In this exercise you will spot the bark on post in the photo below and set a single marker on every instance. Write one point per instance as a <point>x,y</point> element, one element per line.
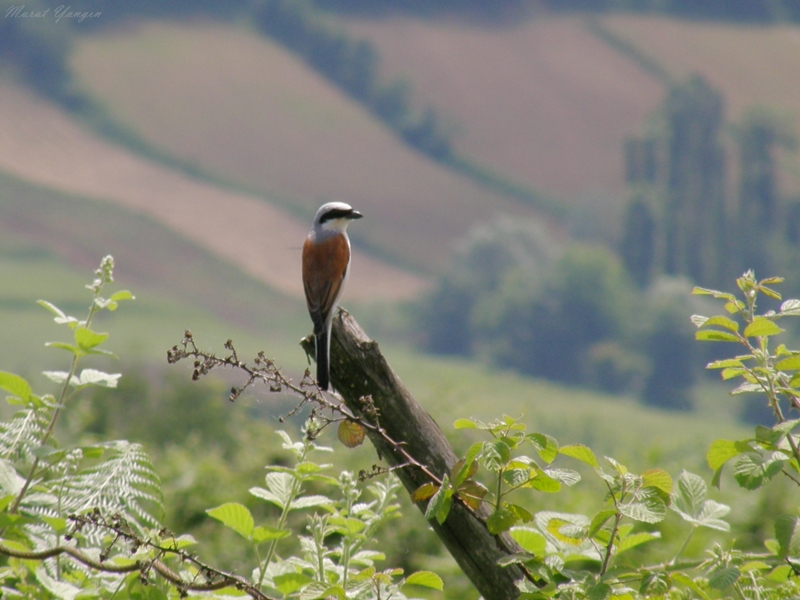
<point>358,369</point>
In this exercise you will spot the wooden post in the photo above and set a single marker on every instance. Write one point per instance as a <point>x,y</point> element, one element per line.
<point>358,369</point>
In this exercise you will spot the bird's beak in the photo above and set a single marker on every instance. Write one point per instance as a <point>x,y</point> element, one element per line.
<point>356,215</point>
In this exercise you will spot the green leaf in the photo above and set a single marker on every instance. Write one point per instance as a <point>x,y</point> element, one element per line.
<point>16,386</point>
<point>787,532</point>
<point>734,372</point>
<point>762,327</point>
<point>426,579</point>
<point>11,482</point>
<point>599,520</point>
<point>711,335</point>
<point>598,591</point>
<point>86,339</point>
<point>60,377</point>
<point>542,482</point>
<point>581,453</point>
<point>790,308</point>
<point>752,471</point>
<point>262,533</point>
<point>462,471</point>
<point>725,364</point>
<point>546,446</point>
<point>690,583</point>
<point>61,345</point>
<point>122,295</point>
<point>465,424</point>
<point>689,495</point>
<point>700,291</point>
<point>60,317</point>
<point>659,479</point>
<point>711,514</point>
<point>789,364</point>
<point>721,451</point>
<point>310,501</point>
<point>439,505</point>
<point>98,378</point>
<point>288,583</point>
<point>787,426</point>
<point>234,516</point>
<point>722,321</point>
<point>496,455</point>
<point>636,539</point>
<point>531,540</point>
<point>502,520</point>
<point>563,527</point>
<point>723,578</point>
<point>649,509</point>
<point>521,512</point>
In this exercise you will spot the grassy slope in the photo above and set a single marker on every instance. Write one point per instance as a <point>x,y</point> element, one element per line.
<point>50,244</point>
<point>751,64</point>
<point>542,101</point>
<point>244,109</point>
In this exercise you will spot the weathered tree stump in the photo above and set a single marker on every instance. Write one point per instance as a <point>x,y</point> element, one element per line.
<point>358,369</point>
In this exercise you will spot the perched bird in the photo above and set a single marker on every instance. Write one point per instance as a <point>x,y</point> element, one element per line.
<point>326,262</point>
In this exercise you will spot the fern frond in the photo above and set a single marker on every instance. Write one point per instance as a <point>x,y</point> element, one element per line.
<point>124,482</point>
<point>22,435</point>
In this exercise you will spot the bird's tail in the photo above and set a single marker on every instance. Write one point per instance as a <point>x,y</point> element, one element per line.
<point>323,371</point>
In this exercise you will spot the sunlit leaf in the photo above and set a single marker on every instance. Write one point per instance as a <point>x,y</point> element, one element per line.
<point>710,335</point>
<point>234,516</point>
<point>722,321</point>
<point>657,478</point>
<point>581,453</point>
<point>531,540</point>
<point>426,579</point>
<point>762,327</point>
<point>16,386</point>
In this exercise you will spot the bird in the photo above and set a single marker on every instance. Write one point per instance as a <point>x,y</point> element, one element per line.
<point>326,266</point>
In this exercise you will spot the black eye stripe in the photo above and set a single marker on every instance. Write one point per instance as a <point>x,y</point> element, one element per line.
<point>336,213</point>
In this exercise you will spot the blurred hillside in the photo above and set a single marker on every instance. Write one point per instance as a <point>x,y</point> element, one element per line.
<point>229,124</point>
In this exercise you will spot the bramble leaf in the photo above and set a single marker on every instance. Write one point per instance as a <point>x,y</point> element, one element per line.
<point>712,335</point>
<point>234,516</point>
<point>762,327</point>
<point>581,453</point>
<point>426,579</point>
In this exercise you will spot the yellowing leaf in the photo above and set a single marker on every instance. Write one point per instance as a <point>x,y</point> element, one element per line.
<point>425,491</point>
<point>351,434</point>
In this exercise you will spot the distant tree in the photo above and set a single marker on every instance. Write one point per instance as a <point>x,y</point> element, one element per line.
<point>669,342</point>
<point>547,327</point>
<point>639,243</point>
<point>760,136</point>
<point>480,264</point>
<point>680,166</point>
<point>695,182</point>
